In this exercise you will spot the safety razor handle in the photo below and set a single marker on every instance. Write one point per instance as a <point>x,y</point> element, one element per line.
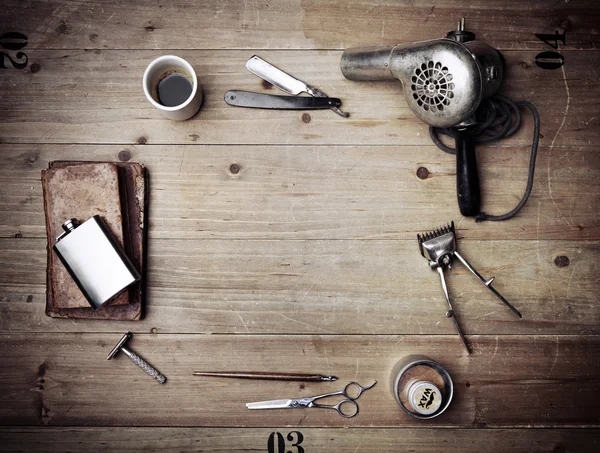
<point>467,178</point>
<point>149,369</point>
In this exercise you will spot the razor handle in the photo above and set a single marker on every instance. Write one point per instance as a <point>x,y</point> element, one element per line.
<point>467,178</point>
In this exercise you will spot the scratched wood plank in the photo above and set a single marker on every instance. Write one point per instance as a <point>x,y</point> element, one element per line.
<point>307,192</point>
<point>84,96</point>
<point>294,24</point>
<point>508,381</point>
<point>329,287</point>
<point>332,440</point>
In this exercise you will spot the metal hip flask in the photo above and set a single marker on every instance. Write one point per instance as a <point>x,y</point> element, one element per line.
<point>95,260</point>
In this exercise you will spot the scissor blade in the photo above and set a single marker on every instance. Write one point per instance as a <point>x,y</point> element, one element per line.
<point>272,404</point>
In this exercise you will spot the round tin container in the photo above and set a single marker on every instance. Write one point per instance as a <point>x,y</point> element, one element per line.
<point>423,388</point>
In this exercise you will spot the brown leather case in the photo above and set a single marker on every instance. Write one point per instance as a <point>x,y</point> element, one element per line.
<point>97,187</point>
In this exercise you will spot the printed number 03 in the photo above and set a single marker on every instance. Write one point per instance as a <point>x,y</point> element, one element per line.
<point>276,442</point>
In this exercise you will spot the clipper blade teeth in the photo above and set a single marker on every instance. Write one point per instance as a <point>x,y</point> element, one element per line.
<point>436,232</point>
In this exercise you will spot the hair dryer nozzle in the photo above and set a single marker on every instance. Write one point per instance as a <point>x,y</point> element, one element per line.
<point>367,63</point>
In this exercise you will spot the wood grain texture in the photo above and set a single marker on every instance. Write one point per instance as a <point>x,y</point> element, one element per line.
<point>312,192</point>
<point>508,381</point>
<point>332,440</point>
<point>314,235</point>
<point>293,24</point>
<point>336,287</point>
<point>84,96</point>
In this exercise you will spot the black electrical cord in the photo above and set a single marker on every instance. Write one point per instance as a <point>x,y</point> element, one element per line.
<point>497,118</point>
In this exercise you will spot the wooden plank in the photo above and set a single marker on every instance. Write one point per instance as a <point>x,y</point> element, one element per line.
<point>80,96</point>
<point>307,192</point>
<point>293,24</point>
<point>332,440</point>
<point>508,381</point>
<point>337,287</point>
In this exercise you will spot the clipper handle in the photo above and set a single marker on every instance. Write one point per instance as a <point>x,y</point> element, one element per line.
<point>467,178</point>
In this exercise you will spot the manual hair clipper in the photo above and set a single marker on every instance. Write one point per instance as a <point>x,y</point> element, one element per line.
<point>444,81</point>
<point>439,247</point>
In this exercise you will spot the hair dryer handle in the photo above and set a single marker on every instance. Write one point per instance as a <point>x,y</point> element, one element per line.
<point>467,178</point>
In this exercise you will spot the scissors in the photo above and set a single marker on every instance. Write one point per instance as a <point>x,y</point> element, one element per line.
<point>346,407</point>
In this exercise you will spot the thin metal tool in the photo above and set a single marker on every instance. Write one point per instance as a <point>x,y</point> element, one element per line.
<point>439,247</point>
<point>267,376</point>
<point>239,98</point>
<point>284,81</point>
<point>346,408</point>
<point>136,359</point>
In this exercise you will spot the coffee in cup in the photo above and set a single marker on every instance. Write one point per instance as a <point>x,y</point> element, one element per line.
<point>171,85</point>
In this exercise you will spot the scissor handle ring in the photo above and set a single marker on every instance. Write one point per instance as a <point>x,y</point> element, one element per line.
<point>349,387</point>
<point>339,408</point>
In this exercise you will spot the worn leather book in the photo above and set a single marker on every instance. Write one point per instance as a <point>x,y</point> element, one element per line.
<point>118,193</point>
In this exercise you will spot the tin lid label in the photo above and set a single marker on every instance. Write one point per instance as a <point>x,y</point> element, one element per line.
<point>424,397</point>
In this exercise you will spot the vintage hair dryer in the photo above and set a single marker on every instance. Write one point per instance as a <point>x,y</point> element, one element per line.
<point>444,81</point>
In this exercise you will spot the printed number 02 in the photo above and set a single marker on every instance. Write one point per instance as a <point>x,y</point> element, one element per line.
<point>276,442</point>
<point>13,41</point>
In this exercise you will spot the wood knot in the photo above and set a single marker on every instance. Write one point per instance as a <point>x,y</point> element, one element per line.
<point>561,261</point>
<point>422,173</point>
<point>154,331</point>
<point>93,37</point>
<point>234,168</point>
<point>124,155</point>
<point>64,28</point>
<point>19,235</point>
<point>42,369</point>
<point>149,28</point>
<point>306,118</point>
<point>266,85</point>
<point>32,159</point>
<point>34,68</point>
<point>468,384</point>
<point>142,141</point>
<point>523,64</point>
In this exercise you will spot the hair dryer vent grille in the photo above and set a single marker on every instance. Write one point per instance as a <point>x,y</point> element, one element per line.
<point>432,86</point>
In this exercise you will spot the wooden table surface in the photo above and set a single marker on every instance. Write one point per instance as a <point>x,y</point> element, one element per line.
<point>286,241</point>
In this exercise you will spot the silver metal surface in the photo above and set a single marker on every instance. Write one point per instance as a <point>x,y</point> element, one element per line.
<point>444,81</point>
<point>272,404</point>
<point>450,312</point>
<point>119,345</point>
<point>347,407</point>
<point>95,260</point>
<point>149,369</point>
<point>488,284</point>
<point>405,365</point>
<point>439,247</point>
<point>285,81</point>
<point>275,76</point>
